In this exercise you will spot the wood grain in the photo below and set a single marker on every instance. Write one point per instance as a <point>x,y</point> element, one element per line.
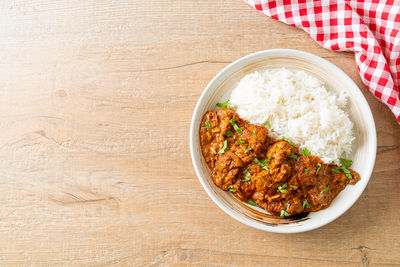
<point>96,99</point>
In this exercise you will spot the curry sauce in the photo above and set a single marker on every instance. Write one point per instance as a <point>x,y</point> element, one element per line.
<point>267,172</point>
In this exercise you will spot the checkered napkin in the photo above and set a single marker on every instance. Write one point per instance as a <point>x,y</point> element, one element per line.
<point>370,29</point>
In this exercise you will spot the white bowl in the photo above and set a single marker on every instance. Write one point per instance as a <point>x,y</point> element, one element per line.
<point>364,147</point>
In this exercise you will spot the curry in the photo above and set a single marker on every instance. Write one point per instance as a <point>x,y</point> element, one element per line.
<point>266,172</point>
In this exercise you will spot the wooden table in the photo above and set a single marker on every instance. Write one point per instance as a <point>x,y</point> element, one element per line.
<point>96,99</point>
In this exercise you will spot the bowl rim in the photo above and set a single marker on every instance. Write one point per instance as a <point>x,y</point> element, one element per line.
<point>308,57</point>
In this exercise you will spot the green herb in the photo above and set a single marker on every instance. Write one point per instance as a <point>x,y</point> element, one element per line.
<point>268,124</point>
<point>255,135</point>
<point>325,190</point>
<point>246,170</point>
<point>232,189</point>
<point>293,186</point>
<point>306,204</point>
<point>293,156</point>
<point>306,171</point>
<point>208,126</point>
<point>346,162</point>
<point>319,167</point>
<point>347,173</point>
<point>284,212</point>
<point>251,202</point>
<point>306,152</point>
<point>262,164</point>
<point>224,105</point>
<point>240,141</point>
<point>237,129</point>
<point>282,188</point>
<point>222,151</point>
<point>248,148</point>
<point>247,178</point>
<point>230,133</point>
<point>288,140</point>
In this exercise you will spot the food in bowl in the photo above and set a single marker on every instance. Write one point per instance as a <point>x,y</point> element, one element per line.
<point>270,172</point>
<point>267,172</point>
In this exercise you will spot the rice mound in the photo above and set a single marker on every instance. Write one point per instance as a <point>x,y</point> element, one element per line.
<point>299,107</point>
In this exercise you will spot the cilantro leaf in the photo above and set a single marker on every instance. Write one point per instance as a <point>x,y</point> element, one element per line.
<point>268,124</point>
<point>208,126</point>
<point>237,129</point>
<point>240,141</point>
<point>224,105</point>
<point>346,162</point>
<point>232,189</point>
<point>251,202</point>
<point>284,212</point>
<point>222,151</point>
<point>247,178</point>
<point>319,167</point>
<point>288,140</point>
<point>325,190</point>
<point>306,152</point>
<point>293,156</point>
<point>230,133</point>
<point>282,188</point>
<point>262,164</point>
<point>306,204</point>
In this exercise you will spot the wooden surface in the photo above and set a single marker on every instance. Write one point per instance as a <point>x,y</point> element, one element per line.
<point>96,99</point>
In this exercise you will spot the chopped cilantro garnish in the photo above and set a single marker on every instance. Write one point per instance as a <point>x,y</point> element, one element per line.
<point>319,167</point>
<point>262,164</point>
<point>293,156</point>
<point>246,170</point>
<point>282,188</point>
<point>347,173</point>
<point>255,135</point>
<point>237,129</point>
<point>224,105</point>
<point>222,151</point>
<point>268,124</point>
<point>208,126</point>
<point>293,186</point>
<point>232,189</point>
<point>306,152</point>
<point>325,190</point>
<point>230,133</point>
<point>240,141</point>
<point>251,202</point>
<point>284,212</point>
<point>306,171</point>
<point>288,140</point>
<point>306,204</point>
<point>248,148</point>
<point>346,162</point>
<point>247,178</point>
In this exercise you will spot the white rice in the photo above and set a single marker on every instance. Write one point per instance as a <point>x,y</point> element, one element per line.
<point>299,107</point>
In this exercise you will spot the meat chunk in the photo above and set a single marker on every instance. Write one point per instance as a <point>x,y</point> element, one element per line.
<point>227,167</point>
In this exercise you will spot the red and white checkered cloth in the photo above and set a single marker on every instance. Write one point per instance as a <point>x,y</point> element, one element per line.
<point>370,29</point>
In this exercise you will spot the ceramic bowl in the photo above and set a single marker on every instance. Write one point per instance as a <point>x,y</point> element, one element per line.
<point>364,146</point>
